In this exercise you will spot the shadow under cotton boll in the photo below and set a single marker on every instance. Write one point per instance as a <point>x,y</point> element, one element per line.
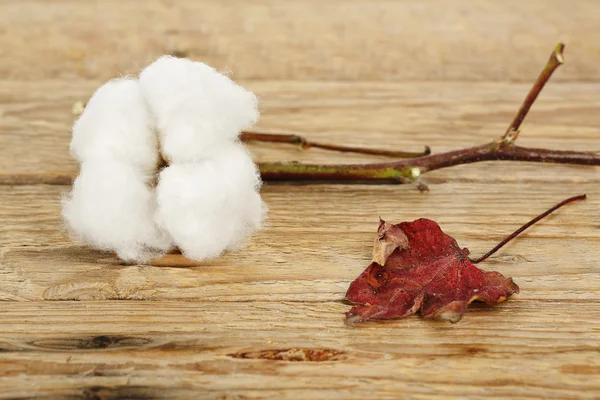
<point>116,125</point>
<point>210,205</point>
<point>196,109</point>
<point>111,207</point>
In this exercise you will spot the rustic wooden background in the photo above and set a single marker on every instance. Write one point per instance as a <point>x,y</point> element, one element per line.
<point>267,321</point>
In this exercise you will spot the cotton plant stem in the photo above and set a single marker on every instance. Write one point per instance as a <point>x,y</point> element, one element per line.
<point>409,170</point>
<point>304,143</point>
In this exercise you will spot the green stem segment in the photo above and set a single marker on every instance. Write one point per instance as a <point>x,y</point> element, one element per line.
<point>342,172</point>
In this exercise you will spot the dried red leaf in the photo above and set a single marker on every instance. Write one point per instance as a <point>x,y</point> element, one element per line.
<point>417,267</point>
<point>429,273</point>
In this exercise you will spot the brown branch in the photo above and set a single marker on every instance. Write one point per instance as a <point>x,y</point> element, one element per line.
<point>502,148</point>
<point>556,60</point>
<point>409,170</point>
<point>306,144</point>
<point>527,225</point>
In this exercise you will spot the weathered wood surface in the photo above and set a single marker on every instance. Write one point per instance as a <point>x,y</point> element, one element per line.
<point>267,321</point>
<point>36,120</point>
<point>475,40</point>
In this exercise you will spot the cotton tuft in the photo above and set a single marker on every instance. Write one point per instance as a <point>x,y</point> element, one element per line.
<point>111,207</point>
<point>196,109</point>
<point>205,201</point>
<point>211,205</point>
<point>116,125</point>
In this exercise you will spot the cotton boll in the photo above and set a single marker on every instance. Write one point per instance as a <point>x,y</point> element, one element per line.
<point>212,205</point>
<point>116,125</point>
<point>196,108</point>
<point>111,207</point>
<point>255,211</point>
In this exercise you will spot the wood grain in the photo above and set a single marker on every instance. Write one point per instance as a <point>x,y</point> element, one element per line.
<point>267,321</point>
<point>378,40</point>
<point>287,260</point>
<point>152,350</point>
<point>36,121</point>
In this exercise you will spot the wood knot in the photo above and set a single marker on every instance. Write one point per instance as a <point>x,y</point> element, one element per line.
<point>94,342</point>
<point>293,354</point>
<point>116,392</point>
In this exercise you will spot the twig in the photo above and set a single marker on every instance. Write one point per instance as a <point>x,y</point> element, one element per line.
<point>402,171</point>
<point>306,144</point>
<point>556,60</point>
<point>527,225</point>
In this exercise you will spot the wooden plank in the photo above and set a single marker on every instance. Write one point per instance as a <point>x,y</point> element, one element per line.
<point>312,247</point>
<point>300,39</point>
<point>36,120</point>
<point>267,321</point>
<point>264,350</point>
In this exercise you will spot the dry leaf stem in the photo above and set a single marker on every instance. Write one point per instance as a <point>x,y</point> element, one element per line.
<point>527,225</point>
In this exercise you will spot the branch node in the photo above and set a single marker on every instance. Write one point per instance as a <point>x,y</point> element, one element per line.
<point>510,137</point>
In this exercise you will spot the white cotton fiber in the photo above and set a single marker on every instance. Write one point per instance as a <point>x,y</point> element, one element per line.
<point>196,109</point>
<point>206,200</point>
<point>211,205</point>
<point>116,125</point>
<point>111,207</point>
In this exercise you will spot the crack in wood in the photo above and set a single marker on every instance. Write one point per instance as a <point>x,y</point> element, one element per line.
<point>295,354</point>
